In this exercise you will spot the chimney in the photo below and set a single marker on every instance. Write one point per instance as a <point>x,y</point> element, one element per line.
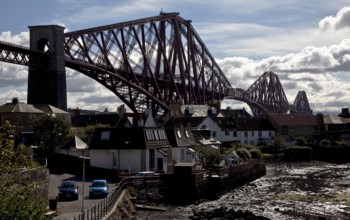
<point>344,113</point>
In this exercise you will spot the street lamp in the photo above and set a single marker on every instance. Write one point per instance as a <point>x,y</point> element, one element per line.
<point>82,200</point>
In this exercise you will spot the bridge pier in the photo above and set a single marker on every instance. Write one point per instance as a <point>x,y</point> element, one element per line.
<point>47,85</point>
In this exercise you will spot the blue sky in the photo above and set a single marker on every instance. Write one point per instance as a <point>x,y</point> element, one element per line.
<point>307,43</point>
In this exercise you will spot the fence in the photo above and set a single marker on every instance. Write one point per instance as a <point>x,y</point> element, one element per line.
<point>106,205</point>
<point>102,208</point>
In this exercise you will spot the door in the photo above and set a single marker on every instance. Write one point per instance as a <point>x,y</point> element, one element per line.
<point>160,164</point>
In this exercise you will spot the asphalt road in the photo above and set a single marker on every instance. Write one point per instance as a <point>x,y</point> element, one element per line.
<point>67,210</point>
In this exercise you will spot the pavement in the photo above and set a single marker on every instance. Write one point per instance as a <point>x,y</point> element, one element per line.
<point>67,210</point>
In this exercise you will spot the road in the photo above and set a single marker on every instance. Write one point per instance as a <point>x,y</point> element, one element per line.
<point>67,210</point>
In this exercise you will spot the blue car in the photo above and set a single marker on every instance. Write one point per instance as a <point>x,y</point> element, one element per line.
<point>98,189</point>
<point>68,190</point>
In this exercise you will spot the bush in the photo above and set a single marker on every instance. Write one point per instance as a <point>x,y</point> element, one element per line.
<point>244,154</point>
<point>297,153</point>
<point>255,153</point>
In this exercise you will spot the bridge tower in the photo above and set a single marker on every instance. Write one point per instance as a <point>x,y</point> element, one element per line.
<point>47,84</point>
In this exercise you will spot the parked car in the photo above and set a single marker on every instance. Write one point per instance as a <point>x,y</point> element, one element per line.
<point>68,190</point>
<point>145,178</point>
<point>146,173</point>
<point>98,188</point>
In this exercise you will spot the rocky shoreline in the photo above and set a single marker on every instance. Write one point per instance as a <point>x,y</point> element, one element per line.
<point>305,190</point>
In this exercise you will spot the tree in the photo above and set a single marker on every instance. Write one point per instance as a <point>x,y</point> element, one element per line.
<point>17,200</point>
<point>89,132</point>
<point>51,132</point>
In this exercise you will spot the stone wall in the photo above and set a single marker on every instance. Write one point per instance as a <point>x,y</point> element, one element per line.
<point>123,209</point>
<point>187,189</point>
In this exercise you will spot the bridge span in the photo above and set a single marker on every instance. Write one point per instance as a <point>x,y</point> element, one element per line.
<point>146,63</point>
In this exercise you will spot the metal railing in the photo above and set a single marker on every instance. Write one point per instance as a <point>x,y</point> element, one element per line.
<point>102,208</point>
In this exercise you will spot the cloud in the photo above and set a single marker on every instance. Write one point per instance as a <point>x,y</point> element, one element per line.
<point>338,22</point>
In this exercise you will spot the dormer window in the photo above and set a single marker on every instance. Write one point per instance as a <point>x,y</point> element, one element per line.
<point>105,135</point>
<point>178,134</point>
<point>186,133</point>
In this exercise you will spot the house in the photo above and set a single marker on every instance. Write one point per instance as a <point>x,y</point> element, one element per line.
<point>196,128</point>
<point>235,113</point>
<point>21,116</point>
<point>182,142</point>
<point>336,127</point>
<point>253,131</point>
<point>130,150</point>
<point>293,126</point>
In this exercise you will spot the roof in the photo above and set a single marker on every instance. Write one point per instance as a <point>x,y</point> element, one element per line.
<point>50,109</point>
<point>334,119</point>
<point>180,137</point>
<point>254,124</point>
<point>129,138</point>
<point>89,119</point>
<point>192,122</point>
<point>228,123</point>
<point>198,110</point>
<point>293,119</point>
<point>19,108</point>
<point>237,113</point>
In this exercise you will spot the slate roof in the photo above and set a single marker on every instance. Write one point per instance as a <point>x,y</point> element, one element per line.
<point>253,124</point>
<point>19,108</point>
<point>180,137</point>
<point>237,113</point>
<point>193,122</point>
<point>293,119</point>
<point>90,119</point>
<point>128,138</point>
<point>49,109</point>
<point>225,123</point>
<point>334,119</point>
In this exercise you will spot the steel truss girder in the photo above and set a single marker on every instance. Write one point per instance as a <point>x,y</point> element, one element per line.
<point>161,59</point>
<point>16,54</point>
<point>301,103</point>
<point>268,92</point>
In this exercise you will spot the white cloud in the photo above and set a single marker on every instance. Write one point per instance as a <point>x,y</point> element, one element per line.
<point>340,21</point>
<point>311,59</point>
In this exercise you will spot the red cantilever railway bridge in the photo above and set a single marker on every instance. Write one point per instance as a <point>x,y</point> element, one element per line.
<point>146,63</point>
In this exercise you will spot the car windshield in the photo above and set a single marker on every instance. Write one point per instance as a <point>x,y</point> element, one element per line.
<point>67,185</point>
<point>98,184</point>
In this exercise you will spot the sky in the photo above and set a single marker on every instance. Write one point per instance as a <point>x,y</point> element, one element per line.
<point>306,43</point>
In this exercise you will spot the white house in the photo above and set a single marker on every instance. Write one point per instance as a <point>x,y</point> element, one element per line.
<point>131,149</point>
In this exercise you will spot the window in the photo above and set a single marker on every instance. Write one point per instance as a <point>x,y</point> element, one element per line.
<point>227,132</point>
<point>252,133</point>
<point>214,134</point>
<point>260,134</point>
<point>151,158</point>
<point>234,133</point>
<point>270,134</point>
<point>178,134</point>
<point>246,134</point>
<point>182,155</point>
<point>105,135</point>
<point>186,133</point>
<point>156,134</point>
<point>161,134</point>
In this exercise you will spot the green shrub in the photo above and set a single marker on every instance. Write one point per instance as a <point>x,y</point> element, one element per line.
<point>244,154</point>
<point>325,143</point>
<point>255,152</point>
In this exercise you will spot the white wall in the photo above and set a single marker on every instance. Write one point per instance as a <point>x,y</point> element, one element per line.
<point>130,160</point>
<point>100,159</point>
